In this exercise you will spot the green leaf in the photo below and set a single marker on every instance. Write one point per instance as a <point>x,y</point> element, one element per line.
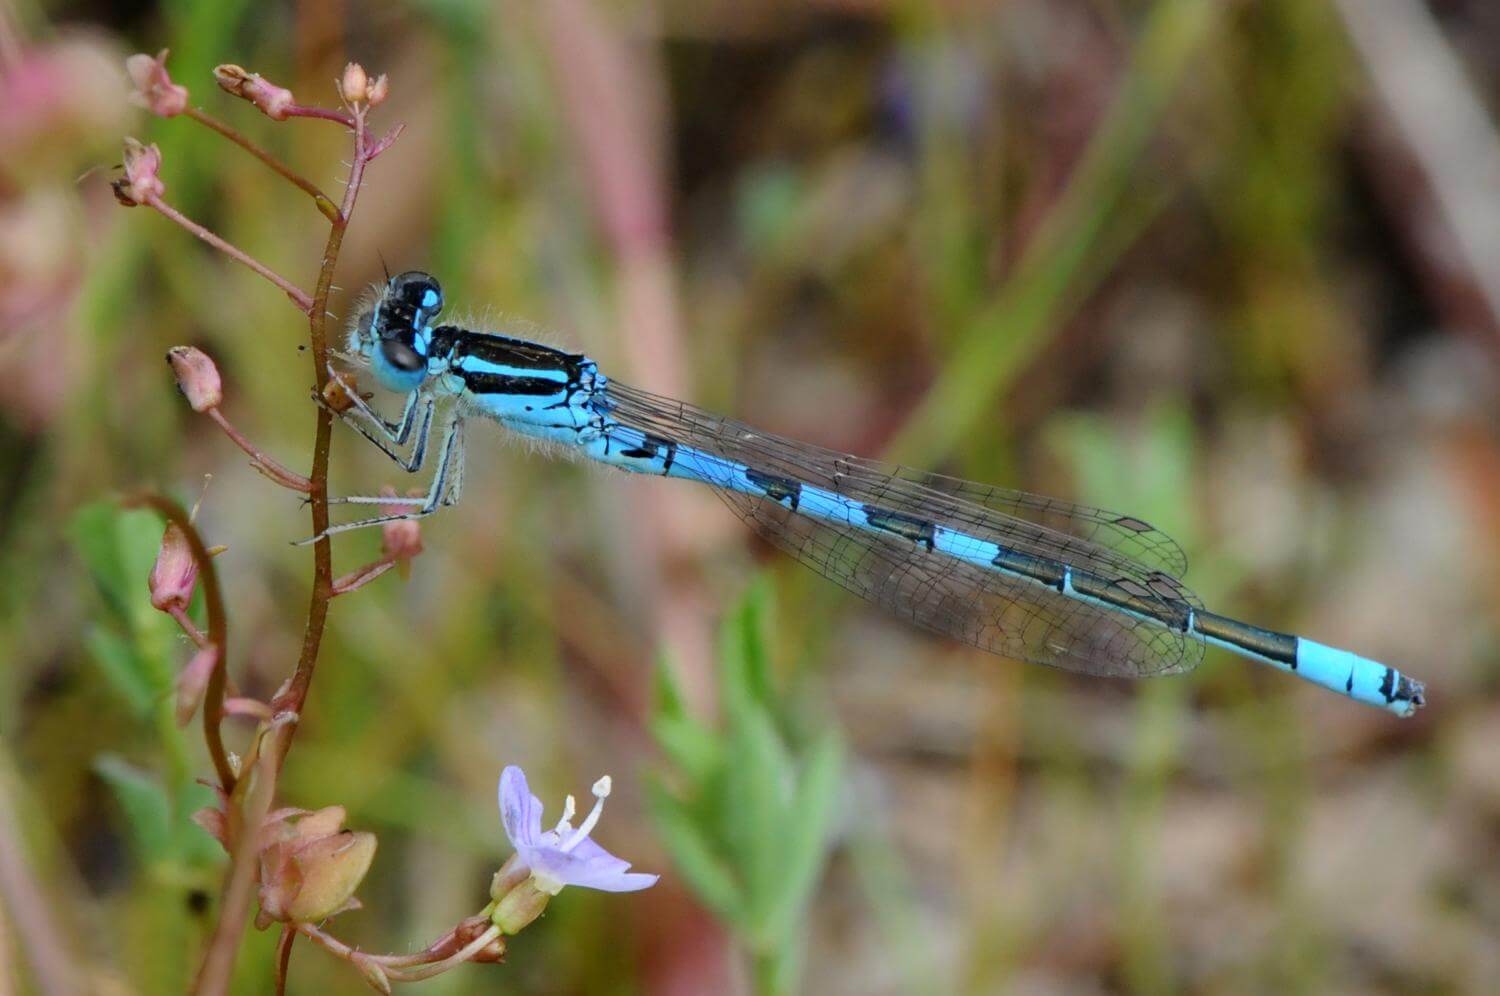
<point>693,749</point>
<point>194,845</point>
<point>120,662</point>
<point>744,667</point>
<point>668,701</point>
<point>804,840</point>
<point>757,813</point>
<point>118,546</point>
<point>148,812</point>
<point>694,854</point>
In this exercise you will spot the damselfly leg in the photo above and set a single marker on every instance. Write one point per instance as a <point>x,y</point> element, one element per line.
<point>447,480</point>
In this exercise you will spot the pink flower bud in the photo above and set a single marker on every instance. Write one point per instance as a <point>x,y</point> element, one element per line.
<point>192,680</point>
<point>214,823</point>
<point>140,183</point>
<point>355,85</point>
<point>154,89</point>
<point>175,573</point>
<point>379,90</point>
<point>273,100</point>
<point>400,539</point>
<point>197,377</point>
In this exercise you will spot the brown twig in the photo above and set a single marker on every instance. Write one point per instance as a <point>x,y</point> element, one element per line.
<point>295,695</point>
<point>284,956</point>
<point>218,631</point>
<point>245,814</point>
<point>299,297</point>
<point>357,579</point>
<point>322,200</point>
<point>260,461</point>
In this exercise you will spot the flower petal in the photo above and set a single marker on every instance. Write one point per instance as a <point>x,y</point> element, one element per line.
<point>594,868</point>
<point>520,811</point>
<point>598,856</point>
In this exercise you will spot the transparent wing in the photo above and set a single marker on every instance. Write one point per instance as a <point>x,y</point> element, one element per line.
<point>983,608</point>
<point>1125,534</point>
<point>1097,529</point>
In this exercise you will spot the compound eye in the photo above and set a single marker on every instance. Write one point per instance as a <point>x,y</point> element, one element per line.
<point>401,356</point>
<point>419,291</point>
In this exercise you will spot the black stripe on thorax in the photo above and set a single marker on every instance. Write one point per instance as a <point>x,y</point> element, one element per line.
<point>491,383</point>
<point>519,353</point>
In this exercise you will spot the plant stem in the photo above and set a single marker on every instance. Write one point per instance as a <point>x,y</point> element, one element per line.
<point>267,466</point>
<point>323,202</point>
<point>284,957</point>
<point>298,296</point>
<point>295,695</point>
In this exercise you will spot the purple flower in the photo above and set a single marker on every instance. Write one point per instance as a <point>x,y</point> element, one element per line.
<point>562,856</point>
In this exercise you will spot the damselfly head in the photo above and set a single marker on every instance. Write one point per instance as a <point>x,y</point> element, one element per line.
<point>395,331</point>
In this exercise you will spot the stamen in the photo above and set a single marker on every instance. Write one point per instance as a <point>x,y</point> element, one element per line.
<point>601,792</point>
<point>570,806</point>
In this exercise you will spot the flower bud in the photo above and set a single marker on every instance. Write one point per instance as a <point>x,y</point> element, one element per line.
<point>379,90</point>
<point>331,869</point>
<point>400,539</point>
<point>373,973</point>
<point>310,868</point>
<point>175,573</point>
<point>140,183</point>
<point>154,89</point>
<point>197,377</point>
<point>274,101</point>
<point>192,680</point>
<point>355,85</point>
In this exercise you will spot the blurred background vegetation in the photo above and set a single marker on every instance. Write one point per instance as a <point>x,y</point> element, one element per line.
<point>1228,266</point>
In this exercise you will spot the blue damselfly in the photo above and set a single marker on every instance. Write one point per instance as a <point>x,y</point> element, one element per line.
<point>1016,574</point>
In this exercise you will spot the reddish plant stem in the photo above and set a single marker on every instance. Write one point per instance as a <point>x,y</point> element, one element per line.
<point>218,632</point>
<point>350,121</point>
<point>245,814</point>
<point>295,695</point>
<point>298,296</point>
<point>425,964</point>
<point>357,579</point>
<point>471,949</point>
<point>322,200</point>
<point>266,465</point>
<point>188,626</point>
<point>284,957</point>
